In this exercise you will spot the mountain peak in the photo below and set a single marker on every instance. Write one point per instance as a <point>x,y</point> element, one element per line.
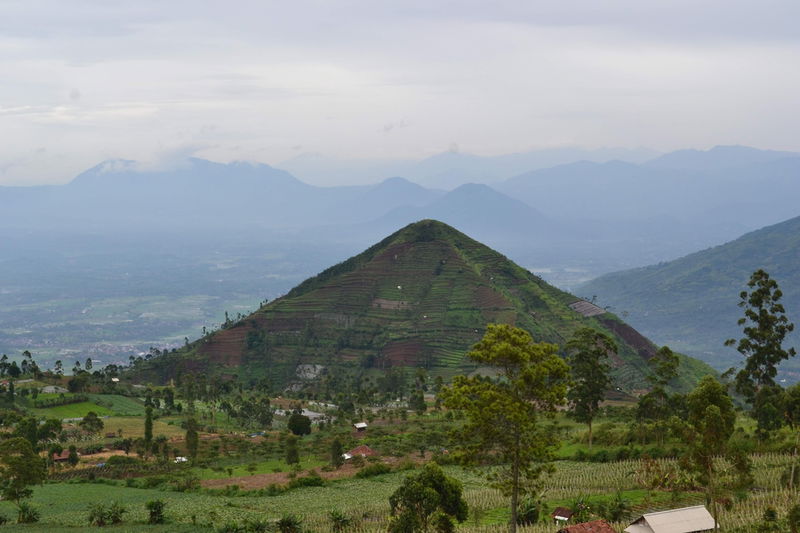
<point>419,298</point>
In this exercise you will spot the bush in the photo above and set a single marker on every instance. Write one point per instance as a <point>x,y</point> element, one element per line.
<point>185,483</point>
<point>122,460</point>
<point>156,511</point>
<point>373,470</point>
<point>290,524</point>
<point>101,515</point>
<point>92,449</point>
<point>3,519</point>
<point>311,480</point>
<point>27,514</point>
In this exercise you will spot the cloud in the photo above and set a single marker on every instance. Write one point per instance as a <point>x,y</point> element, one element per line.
<point>104,80</point>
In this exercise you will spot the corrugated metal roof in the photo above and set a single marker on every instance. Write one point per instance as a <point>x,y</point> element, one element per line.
<point>686,520</point>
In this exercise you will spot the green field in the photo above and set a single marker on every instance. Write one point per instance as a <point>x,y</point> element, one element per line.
<point>73,410</point>
<point>63,505</point>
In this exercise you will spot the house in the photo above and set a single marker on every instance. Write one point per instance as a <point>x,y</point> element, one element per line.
<point>561,514</point>
<point>62,457</point>
<point>695,519</point>
<point>360,426</point>
<point>595,526</point>
<point>362,451</point>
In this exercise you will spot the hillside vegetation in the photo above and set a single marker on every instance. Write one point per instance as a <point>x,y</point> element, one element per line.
<point>691,303</point>
<point>419,298</point>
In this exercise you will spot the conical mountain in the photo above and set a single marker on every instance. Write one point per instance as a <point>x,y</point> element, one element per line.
<point>419,298</point>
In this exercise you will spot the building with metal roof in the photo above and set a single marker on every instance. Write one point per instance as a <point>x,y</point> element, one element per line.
<point>695,519</point>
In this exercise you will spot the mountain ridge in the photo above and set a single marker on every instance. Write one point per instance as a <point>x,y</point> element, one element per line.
<point>691,302</point>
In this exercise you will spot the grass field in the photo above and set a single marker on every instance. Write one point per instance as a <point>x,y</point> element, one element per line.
<point>134,427</point>
<point>73,410</point>
<point>119,405</point>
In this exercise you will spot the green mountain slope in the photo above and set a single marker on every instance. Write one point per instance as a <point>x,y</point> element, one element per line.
<point>420,297</point>
<point>691,303</point>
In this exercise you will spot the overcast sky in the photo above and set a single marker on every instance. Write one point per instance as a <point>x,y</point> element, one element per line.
<point>84,81</point>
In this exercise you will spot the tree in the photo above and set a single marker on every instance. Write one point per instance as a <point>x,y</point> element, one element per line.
<point>91,423</point>
<point>427,502</point>
<point>337,452</point>
<point>299,424</point>
<point>148,427</point>
<point>503,416</point>
<point>20,467</point>
<point>658,405</point>
<point>292,453</point>
<point>192,439</point>
<point>589,351</point>
<point>765,327</point>
<point>72,458</point>
<point>711,419</point>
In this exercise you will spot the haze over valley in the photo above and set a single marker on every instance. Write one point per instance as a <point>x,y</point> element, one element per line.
<point>125,257</point>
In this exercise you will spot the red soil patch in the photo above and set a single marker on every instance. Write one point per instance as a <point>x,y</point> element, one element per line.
<point>403,353</point>
<point>643,346</point>
<point>487,297</point>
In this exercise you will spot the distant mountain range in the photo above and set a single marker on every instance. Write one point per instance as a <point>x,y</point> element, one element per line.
<point>690,303</point>
<point>421,297</point>
<point>604,212</point>
<point>450,169</point>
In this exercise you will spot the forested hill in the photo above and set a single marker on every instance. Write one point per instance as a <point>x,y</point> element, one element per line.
<point>691,303</point>
<point>420,297</point>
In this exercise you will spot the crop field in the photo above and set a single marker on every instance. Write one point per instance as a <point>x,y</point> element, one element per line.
<point>63,505</point>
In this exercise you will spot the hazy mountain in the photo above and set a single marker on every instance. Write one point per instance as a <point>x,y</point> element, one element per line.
<point>450,169</point>
<point>481,211</point>
<point>420,297</point>
<point>685,209</point>
<point>691,303</point>
<point>717,158</point>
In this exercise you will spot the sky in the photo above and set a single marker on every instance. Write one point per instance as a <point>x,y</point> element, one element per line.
<point>154,81</point>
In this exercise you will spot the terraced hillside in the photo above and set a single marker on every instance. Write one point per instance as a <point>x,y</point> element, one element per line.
<point>420,297</point>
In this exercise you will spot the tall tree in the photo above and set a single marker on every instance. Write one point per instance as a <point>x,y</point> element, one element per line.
<point>711,419</point>
<point>765,327</point>
<point>588,352</point>
<point>192,439</point>
<point>337,452</point>
<point>504,415</point>
<point>292,451</point>
<point>148,427</point>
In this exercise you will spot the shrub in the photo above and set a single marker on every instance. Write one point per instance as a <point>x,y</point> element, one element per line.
<point>3,519</point>
<point>290,524</point>
<point>373,470</point>
<point>101,515</point>
<point>156,511</point>
<point>27,514</point>
<point>340,522</point>
<point>115,512</point>
<point>122,460</point>
<point>185,483</point>
<point>311,480</point>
